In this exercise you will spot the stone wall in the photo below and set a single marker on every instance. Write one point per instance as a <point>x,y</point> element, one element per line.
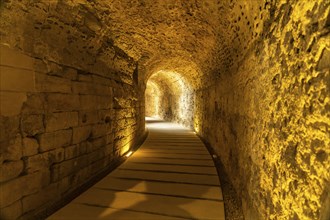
<point>268,117</point>
<point>60,127</point>
<point>251,76</point>
<point>71,103</point>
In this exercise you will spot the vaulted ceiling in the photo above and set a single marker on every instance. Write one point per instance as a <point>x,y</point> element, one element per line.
<point>188,37</point>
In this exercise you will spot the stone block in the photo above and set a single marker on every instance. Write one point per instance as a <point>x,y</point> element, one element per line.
<point>77,178</point>
<point>61,170</point>
<point>30,146</point>
<point>85,77</point>
<point>14,79</point>
<point>45,177</point>
<point>35,182</point>
<point>15,189</point>
<point>100,130</point>
<point>45,83</point>
<point>34,104</point>
<point>106,101</point>
<point>32,124</point>
<point>40,66</point>
<point>13,211</point>
<point>99,164</point>
<point>15,58</point>
<point>82,162</point>
<point>96,155</point>
<point>62,102</point>
<point>9,127</point>
<point>99,142</point>
<point>43,161</point>
<point>64,184</point>
<point>81,134</point>
<point>36,163</point>
<point>40,198</point>
<point>56,156</point>
<point>103,81</point>
<point>88,117</point>
<point>11,102</point>
<point>60,121</point>
<point>57,139</point>
<point>52,68</point>
<point>70,73</point>
<point>88,102</point>
<point>95,102</point>
<point>83,88</point>
<point>103,90</point>
<point>109,149</point>
<point>71,152</point>
<point>85,147</point>
<point>55,69</point>
<point>106,116</point>
<point>91,89</point>
<point>10,170</point>
<point>12,151</point>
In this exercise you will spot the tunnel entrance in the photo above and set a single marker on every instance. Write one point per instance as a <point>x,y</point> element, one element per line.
<point>169,96</point>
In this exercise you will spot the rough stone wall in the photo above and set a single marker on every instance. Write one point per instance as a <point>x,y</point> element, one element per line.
<point>71,104</point>
<point>268,115</point>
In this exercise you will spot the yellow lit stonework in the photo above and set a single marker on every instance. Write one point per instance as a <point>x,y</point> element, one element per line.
<point>250,77</point>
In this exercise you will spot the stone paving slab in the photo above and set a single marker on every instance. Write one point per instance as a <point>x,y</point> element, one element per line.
<point>171,176</point>
<point>174,155</point>
<point>191,162</point>
<point>89,212</point>
<point>209,171</point>
<point>153,187</point>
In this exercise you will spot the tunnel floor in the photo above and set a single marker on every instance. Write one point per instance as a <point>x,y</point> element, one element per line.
<point>171,176</point>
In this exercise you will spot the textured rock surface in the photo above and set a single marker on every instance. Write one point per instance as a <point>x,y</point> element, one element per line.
<point>251,77</point>
<point>268,118</point>
<point>265,110</point>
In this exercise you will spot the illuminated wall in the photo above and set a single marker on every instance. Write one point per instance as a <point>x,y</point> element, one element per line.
<point>170,96</point>
<point>267,114</point>
<point>251,77</point>
<point>68,112</point>
<point>152,99</point>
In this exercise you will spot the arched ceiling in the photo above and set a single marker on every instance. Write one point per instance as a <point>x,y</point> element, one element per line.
<point>165,30</point>
<point>188,37</point>
<point>176,82</point>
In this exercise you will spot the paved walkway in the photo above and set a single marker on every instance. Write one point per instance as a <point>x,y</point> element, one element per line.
<point>171,176</point>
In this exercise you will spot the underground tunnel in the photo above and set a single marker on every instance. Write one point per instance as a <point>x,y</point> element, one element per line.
<point>247,80</point>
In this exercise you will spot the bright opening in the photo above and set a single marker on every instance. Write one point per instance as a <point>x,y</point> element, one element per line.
<point>169,97</point>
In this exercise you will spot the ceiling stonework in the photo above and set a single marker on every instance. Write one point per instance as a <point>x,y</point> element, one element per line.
<point>189,37</point>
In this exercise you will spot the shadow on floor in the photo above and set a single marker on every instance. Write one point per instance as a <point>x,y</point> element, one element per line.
<point>142,205</point>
